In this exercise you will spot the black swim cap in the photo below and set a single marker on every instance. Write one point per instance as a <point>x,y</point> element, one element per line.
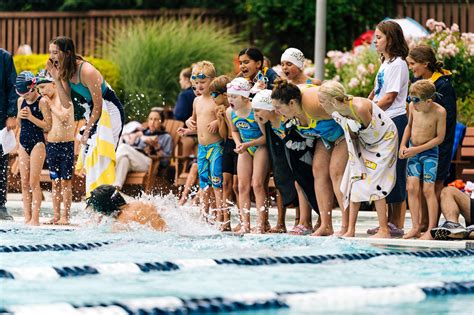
<point>106,200</point>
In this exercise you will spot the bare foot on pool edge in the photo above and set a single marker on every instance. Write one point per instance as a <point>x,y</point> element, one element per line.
<point>243,230</point>
<point>343,231</point>
<point>63,221</point>
<point>426,236</point>
<point>237,228</point>
<point>278,229</point>
<point>413,233</point>
<point>381,234</point>
<point>53,221</point>
<point>323,231</point>
<point>225,227</point>
<point>33,223</point>
<point>348,233</point>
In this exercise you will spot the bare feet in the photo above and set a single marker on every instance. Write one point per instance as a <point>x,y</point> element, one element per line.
<point>53,221</point>
<point>63,221</point>
<point>348,233</point>
<point>182,201</point>
<point>343,231</point>
<point>323,231</point>
<point>278,229</point>
<point>33,222</point>
<point>426,236</point>
<point>243,230</point>
<point>237,228</point>
<point>225,227</point>
<point>413,233</point>
<point>381,234</point>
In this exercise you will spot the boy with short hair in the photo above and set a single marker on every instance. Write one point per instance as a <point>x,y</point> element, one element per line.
<point>425,130</point>
<point>210,149</point>
<point>59,148</point>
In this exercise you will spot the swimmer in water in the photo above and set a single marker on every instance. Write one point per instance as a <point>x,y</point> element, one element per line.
<point>107,201</point>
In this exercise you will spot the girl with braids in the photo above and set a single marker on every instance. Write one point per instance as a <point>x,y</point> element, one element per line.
<point>104,112</point>
<point>301,105</point>
<point>371,139</point>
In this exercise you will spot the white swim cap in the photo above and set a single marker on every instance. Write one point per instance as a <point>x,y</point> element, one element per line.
<point>295,56</point>
<point>263,100</point>
<point>239,86</point>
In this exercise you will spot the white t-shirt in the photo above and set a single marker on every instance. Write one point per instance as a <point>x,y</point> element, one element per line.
<point>393,77</point>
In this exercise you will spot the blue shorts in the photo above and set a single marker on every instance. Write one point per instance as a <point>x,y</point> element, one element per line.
<point>425,163</point>
<point>60,157</point>
<point>210,165</point>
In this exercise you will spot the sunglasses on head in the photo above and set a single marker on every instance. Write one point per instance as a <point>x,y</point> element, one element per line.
<point>414,99</point>
<point>200,76</point>
<point>215,94</point>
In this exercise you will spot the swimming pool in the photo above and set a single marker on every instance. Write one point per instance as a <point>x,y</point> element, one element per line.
<point>191,244</point>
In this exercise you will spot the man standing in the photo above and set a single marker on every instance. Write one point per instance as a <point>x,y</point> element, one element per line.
<point>8,112</point>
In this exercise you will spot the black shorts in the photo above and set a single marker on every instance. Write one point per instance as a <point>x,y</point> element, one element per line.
<point>60,157</point>
<point>399,191</point>
<point>229,159</point>
<point>444,161</point>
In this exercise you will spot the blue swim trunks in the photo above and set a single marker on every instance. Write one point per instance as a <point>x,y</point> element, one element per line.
<point>60,158</point>
<point>425,163</point>
<point>210,165</point>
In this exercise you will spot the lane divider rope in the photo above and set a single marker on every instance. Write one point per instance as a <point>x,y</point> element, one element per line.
<point>324,299</point>
<point>43,273</point>
<point>51,247</point>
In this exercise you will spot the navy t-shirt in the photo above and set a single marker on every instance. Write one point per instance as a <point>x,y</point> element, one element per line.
<point>183,108</point>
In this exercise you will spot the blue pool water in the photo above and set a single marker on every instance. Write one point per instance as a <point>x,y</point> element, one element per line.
<point>190,239</point>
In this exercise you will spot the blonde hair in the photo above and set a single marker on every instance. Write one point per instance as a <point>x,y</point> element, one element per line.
<point>219,84</point>
<point>331,92</point>
<point>423,89</point>
<point>205,67</point>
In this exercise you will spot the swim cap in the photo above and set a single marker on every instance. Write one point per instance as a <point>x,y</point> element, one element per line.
<point>263,100</point>
<point>106,200</point>
<point>43,77</point>
<point>24,82</point>
<point>239,86</point>
<point>295,56</point>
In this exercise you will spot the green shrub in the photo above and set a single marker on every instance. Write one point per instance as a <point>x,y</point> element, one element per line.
<point>466,110</point>
<point>151,54</point>
<point>35,63</point>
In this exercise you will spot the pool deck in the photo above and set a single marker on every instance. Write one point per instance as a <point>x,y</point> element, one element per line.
<point>366,220</point>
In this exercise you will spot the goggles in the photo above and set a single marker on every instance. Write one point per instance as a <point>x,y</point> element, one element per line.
<point>414,99</point>
<point>200,76</point>
<point>215,94</point>
<point>260,77</point>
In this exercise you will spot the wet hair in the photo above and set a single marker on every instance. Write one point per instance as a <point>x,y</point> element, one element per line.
<point>424,89</point>
<point>205,67</point>
<point>425,54</point>
<point>219,84</point>
<point>106,200</point>
<point>285,91</point>
<point>331,92</point>
<point>186,72</point>
<point>396,44</point>
<point>69,64</point>
<point>254,53</point>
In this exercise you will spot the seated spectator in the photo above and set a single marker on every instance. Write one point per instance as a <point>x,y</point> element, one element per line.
<point>183,108</point>
<point>454,203</point>
<point>137,145</point>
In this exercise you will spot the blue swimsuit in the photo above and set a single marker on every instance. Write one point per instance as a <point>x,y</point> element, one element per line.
<point>30,134</point>
<point>248,129</point>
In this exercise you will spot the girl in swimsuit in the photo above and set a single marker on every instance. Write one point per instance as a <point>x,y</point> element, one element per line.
<point>292,65</point>
<point>302,105</point>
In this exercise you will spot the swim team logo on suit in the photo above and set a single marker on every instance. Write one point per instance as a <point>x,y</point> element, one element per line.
<point>242,124</point>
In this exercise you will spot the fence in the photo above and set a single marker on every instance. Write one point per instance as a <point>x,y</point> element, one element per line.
<point>447,11</point>
<point>85,28</point>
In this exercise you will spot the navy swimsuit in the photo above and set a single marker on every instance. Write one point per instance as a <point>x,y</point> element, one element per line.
<point>30,134</point>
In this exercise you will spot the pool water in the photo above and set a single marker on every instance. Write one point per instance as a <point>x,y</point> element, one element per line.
<point>189,238</point>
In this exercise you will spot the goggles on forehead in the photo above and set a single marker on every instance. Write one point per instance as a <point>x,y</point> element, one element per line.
<point>200,76</point>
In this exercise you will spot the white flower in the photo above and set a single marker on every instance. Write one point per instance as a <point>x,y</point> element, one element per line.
<point>455,28</point>
<point>353,83</point>
<point>430,24</point>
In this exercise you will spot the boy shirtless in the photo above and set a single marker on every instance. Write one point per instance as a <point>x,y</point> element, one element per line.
<point>108,201</point>
<point>425,130</point>
<point>210,150</point>
<point>59,149</point>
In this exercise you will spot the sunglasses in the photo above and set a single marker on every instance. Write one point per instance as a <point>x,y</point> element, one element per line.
<point>200,76</point>
<point>414,99</point>
<point>215,94</point>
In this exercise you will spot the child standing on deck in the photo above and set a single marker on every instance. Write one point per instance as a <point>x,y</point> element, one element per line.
<point>218,90</point>
<point>425,130</point>
<point>34,118</point>
<point>210,150</point>
<point>252,166</point>
<point>60,148</point>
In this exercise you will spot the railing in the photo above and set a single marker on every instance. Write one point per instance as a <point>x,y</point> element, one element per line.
<point>85,28</point>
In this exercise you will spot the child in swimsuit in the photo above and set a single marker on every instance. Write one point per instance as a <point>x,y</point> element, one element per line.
<point>59,149</point>
<point>34,118</point>
<point>292,65</point>
<point>252,166</point>
<point>425,130</point>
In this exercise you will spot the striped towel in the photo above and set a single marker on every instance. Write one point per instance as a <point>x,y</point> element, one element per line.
<point>98,158</point>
